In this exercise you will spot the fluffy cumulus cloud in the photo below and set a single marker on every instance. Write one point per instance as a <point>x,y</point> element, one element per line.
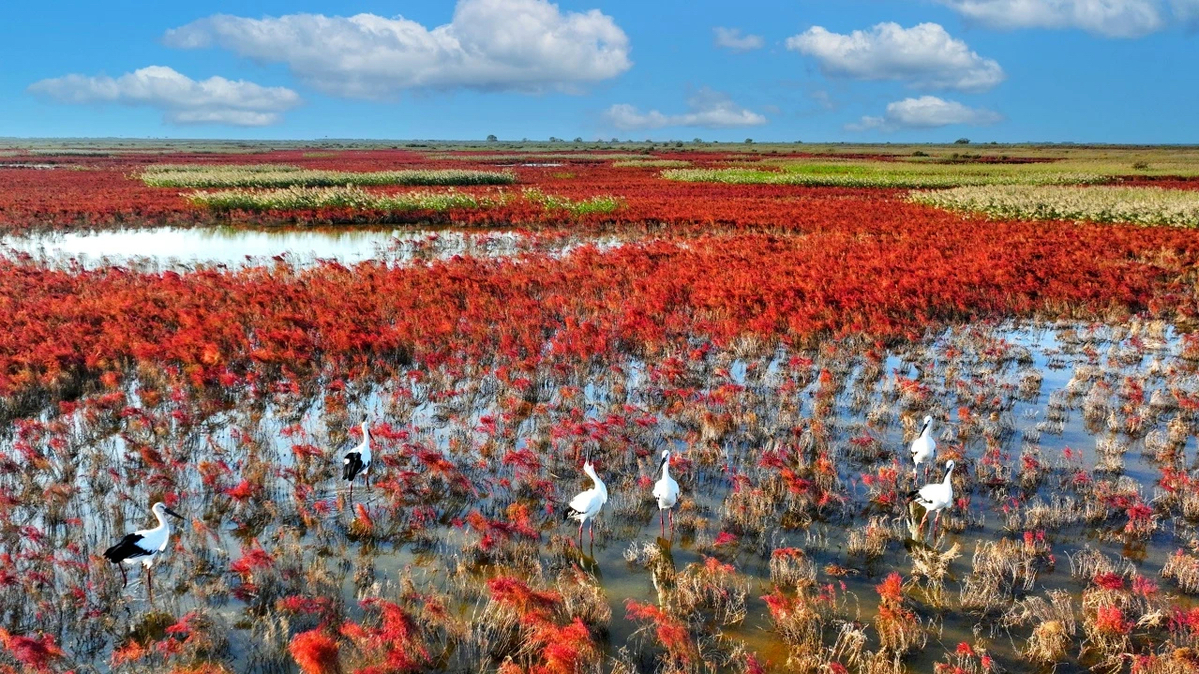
<point>524,45</point>
<point>733,39</point>
<point>926,112</point>
<point>183,100</point>
<point>925,56</point>
<point>706,108</point>
<point>1110,18</point>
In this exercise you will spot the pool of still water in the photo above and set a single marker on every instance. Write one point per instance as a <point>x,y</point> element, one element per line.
<point>165,247</point>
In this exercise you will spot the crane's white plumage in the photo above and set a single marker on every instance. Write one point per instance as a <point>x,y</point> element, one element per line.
<point>143,545</point>
<point>666,490</point>
<point>586,505</point>
<point>935,497</point>
<point>924,448</point>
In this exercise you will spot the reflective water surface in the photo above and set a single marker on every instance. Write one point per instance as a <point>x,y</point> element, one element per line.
<point>1032,413</point>
<point>170,246</point>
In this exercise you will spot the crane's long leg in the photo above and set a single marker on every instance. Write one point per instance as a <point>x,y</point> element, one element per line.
<point>124,576</point>
<point>592,530</point>
<point>662,521</point>
<point>150,585</point>
<point>671,513</point>
<point>936,520</point>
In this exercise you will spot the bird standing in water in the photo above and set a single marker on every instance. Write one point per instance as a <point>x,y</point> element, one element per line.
<point>935,497</point>
<point>924,448</point>
<point>358,460</point>
<point>586,505</point>
<point>143,546</point>
<point>666,490</point>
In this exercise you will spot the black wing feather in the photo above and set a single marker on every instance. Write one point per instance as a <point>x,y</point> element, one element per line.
<point>352,466</point>
<point>126,549</point>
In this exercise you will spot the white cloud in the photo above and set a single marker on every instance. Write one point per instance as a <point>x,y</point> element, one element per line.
<point>824,99</point>
<point>706,108</point>
<point>1186,11</point>
<point>183,100</point>
<point>926,112</point>
<point>731,38</point>
<point>1110,18</point>
<point>525,45</point>
<point>924,56</point>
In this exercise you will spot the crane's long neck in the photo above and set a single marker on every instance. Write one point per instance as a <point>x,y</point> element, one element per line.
<point>949,476</point>
<point>599,484</point>
<point>162,521</point>
<point>928,429</point>
<point>366,439</point>
<point>666,468</point>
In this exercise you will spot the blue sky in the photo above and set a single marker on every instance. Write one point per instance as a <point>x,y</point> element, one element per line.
<point>815,70</point>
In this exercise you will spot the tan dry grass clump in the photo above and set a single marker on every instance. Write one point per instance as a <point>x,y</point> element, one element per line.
<point>1054,626</point>
<point>1183,569</point>
<point>1135,205</point>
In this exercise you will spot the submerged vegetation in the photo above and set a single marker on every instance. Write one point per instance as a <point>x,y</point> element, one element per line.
<point>452,559</point>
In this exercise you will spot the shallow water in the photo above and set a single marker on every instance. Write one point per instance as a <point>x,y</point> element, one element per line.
<point>232,246</point>
<point>960,368</point>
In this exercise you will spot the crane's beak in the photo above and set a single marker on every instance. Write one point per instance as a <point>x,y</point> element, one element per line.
<point>172,512</point>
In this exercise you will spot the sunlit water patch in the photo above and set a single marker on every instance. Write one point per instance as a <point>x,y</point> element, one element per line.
<point>175,247</point>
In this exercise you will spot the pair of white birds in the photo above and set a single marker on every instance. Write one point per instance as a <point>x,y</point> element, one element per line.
<point>932,497</point>
<point>144,546</point>
<point>587,505</point>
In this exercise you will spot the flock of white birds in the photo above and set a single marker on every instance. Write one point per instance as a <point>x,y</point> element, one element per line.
<point>145,545</point>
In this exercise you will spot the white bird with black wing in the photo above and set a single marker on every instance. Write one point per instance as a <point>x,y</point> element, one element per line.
<point>666,491</point>
<point>143,546</point>
<point>358,460</point>
<point>935,497</point>
<point>586,505</point>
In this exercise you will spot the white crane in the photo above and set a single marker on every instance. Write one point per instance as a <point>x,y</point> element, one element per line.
<point>143,546</point>
<point>935,497</point>
<point>924,448</point>
<point>586,505</point>
<point>358,460</point>
<point>666,490</point>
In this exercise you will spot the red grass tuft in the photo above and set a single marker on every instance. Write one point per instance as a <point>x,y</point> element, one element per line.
<point>315,652</point>
<point>35,653</point>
